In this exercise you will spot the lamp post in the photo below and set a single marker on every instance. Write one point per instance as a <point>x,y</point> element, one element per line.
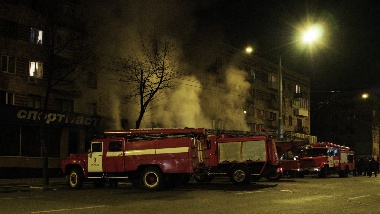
<point>313,33</point>
<point>374,122</point>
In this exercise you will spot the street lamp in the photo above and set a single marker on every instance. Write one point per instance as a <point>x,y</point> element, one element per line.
<point>313,33</point>
<point>374,122</point>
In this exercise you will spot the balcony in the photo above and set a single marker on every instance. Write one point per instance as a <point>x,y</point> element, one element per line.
<point>301,112</point>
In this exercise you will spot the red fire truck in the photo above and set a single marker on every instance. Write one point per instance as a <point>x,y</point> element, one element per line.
<point>324,158</point>
<point>289,154</point>
<point>242,156</point>
<point>151,158</point>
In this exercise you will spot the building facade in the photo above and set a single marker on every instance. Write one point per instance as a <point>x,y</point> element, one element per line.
<point>42,60</point>
<point>347,118</point>
<point>263,105</point>
<point>35,50</point>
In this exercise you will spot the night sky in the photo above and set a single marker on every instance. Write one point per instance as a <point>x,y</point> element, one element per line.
<point>347,58</point>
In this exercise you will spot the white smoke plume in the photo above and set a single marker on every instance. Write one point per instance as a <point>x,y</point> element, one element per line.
<point>196,100</point>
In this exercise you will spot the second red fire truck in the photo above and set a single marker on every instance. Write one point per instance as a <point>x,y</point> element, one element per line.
<point>325,158</point>
<point>153,158</point>
<point>321,158</point>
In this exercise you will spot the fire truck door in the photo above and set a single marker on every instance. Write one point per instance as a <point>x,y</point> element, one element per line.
<point>95,157</point>
<point>114,157</point>
<point>331,155</point>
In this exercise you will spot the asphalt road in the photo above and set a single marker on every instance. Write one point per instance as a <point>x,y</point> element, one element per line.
<point>290,195</point>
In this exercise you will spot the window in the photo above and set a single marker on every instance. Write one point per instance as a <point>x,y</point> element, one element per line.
<point>8,64</point>
<point>97,147</point>
<point>69,11</point>
<point>91,80</point>
<point>272,78</point>
<point>290,121</point>
<point>298,89</point>
<point>64,105</point>
<point>34,101</point>
<point>6,98</point>
<point>92,108</point>
<point>36,69</point>
<point>115,146</point>
<point>36,36</point>
<point>8,29</point>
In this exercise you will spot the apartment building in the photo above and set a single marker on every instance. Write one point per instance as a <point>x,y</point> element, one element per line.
<point>36,49</point>
<point>263,105</point>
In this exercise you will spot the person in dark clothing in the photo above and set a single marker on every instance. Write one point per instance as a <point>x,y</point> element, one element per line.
<point>373,167</point>
<point>366,166</point>
<point>359,166</point>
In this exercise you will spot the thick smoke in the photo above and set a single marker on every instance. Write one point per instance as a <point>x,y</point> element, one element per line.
<point>198,98</point>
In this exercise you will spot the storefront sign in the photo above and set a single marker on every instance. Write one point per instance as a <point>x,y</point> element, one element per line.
<point>16,113</point>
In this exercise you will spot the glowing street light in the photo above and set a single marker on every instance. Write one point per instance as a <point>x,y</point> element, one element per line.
<point>249,50</point>
<point>365,96</point>
<point>312,34</point>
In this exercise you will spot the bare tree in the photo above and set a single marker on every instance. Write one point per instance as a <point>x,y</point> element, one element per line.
<point>148,73</point>
<point>68,51</point>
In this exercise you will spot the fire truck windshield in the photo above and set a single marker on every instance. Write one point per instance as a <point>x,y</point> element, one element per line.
<point>314,152</point>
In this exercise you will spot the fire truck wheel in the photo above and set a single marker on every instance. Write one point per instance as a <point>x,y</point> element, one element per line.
<point>240,175</point>
<point>75,178</point>
<point>152,179</point>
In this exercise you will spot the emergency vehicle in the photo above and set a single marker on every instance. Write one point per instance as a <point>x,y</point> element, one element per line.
<point>325,158</point>
<point>289,154</point>
<point>242,156</point>
<point>151,158</point>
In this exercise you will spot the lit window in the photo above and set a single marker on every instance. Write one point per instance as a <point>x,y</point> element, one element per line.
<point>6,98</point>
<point>36,69</point>
<point>8,64</point>
<point>298,89</point>
<point>272,78</point>
<point>36,36</point>
<point>34,101</point>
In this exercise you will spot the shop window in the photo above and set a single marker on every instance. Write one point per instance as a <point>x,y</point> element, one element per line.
<point>30,141</point>
<point>36,69</point>
<point>8,64</point>
<point>36,36</point>
<point>9,140</point>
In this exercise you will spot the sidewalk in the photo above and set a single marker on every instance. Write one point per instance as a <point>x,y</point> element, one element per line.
<point>12,185</point>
